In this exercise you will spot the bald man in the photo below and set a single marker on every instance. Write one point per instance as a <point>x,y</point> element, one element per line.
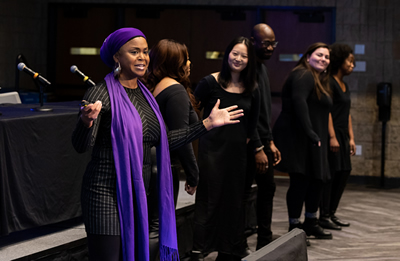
<point>261,150</point>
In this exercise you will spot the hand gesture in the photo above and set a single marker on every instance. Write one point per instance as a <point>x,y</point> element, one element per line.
<point>90,112</point>
<point>220,117</point>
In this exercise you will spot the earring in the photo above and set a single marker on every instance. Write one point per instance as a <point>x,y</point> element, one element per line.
<point>117,69</point>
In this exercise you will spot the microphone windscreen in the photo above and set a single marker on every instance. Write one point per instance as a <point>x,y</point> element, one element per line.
<point>21,66</point>
<point>73,68</point>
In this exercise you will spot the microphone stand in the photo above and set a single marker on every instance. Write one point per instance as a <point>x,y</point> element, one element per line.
<point>0,111</point>
<point>41,98</point>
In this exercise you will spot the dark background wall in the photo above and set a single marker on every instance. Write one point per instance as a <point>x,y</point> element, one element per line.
<point>33,27</point>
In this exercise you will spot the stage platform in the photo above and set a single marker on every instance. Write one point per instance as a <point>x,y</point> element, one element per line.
<point>65,238</point>
<point>374,233</point>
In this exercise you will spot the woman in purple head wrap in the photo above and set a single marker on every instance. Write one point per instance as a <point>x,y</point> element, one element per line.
<point>122,122</point>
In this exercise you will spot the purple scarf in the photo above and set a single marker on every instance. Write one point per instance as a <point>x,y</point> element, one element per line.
<point>127,144</point>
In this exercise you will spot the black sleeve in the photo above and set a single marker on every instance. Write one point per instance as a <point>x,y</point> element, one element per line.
<point>332,86</point>
<point>177,112</point>
<point>202,92</point>
<point>269,104</point>
<point>268,126</point>
<point>83,138</point>
<point>180,137</point>
<point>303,86</point>
<point>254,114</point>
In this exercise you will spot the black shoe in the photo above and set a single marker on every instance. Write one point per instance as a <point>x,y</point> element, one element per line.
<point>227,257</point>
<point>293,226</point>
<point>339,222</point>
<point>299,226</point>
<point>246,252</point>
<point>196,256</point>
<point>326,223</point>
<point>263,243</point>
<point>311,227</point>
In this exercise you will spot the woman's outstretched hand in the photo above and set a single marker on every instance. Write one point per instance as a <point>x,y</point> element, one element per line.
<point>220,117</point>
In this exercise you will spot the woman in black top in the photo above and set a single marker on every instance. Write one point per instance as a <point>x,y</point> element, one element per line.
<point>169,82</point>
<point>122,122</point>
<point>218,222</point>
<point>301,134</point>
<point>342,144</point>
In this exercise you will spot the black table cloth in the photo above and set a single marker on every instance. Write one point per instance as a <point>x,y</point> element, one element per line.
<point>40,172</point>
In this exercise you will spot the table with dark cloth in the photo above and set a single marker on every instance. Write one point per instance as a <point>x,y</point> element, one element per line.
<point>40,172</point>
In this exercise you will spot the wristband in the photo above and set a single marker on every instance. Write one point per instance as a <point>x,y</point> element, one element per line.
<point>259,149</point>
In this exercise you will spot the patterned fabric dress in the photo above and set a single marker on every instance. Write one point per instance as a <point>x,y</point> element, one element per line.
<point>99,197</point>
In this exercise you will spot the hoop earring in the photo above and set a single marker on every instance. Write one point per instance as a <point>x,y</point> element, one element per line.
<point>117,69</point>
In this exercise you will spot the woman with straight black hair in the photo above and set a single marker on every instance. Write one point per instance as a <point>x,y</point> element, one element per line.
<point>219,224</point>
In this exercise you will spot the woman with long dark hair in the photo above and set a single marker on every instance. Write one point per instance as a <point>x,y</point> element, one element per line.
<point>342,144</point>
<point>169,82</point>
<point>218,223</point>
<point>301,133</point>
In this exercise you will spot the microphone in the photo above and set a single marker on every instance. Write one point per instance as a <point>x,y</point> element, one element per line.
<point>35,75</point>
<point>86,79</point>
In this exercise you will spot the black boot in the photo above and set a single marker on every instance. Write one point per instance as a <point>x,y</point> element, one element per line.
<point>325,222</point>
<point>312,228</point>
<point>339,222</point>
<point>299,226</point>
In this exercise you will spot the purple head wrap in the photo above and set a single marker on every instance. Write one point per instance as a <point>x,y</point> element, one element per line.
<point>115,41</point>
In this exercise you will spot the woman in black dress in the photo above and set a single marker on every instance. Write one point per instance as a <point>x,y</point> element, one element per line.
<point>169,82</point>
<point>122,122</point>
<point>301,133</point>
<point>342,144</point>
<point>218,223</point>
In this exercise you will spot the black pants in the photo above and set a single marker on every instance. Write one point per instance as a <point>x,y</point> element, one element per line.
<point>303,189</point>
<point>265,194</point>
<point>104,247</point>
<point>333,191</point>
<point>109,248</point>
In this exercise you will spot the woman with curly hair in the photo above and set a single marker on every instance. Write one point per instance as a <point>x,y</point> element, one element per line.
<point>342,144</point>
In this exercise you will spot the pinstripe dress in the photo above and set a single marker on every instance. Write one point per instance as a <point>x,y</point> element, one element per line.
<point>99,196</point>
